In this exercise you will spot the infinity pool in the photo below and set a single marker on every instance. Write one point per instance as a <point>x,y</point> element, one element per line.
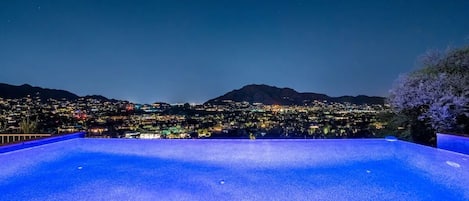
<point>118,169</point>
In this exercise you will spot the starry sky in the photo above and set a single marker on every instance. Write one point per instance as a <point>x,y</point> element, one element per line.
<point>193,50</point>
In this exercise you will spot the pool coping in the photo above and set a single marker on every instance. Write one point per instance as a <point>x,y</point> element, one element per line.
<point>451,142</point>
<point>34,143</point>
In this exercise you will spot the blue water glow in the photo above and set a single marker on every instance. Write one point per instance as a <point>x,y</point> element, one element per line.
<point>117,169</point>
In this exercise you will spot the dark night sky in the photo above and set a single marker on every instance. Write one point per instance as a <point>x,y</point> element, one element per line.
<point>191,51</point>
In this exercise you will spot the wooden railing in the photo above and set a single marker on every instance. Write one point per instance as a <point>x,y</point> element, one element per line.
<point>10,138</point>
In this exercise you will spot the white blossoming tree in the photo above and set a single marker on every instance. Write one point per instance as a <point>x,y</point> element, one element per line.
<point>437,94</point>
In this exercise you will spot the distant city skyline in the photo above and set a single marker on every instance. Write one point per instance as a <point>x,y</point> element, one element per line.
<point>191,51</point>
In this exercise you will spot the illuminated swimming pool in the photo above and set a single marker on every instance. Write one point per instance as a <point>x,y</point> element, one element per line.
<point>117,169</point>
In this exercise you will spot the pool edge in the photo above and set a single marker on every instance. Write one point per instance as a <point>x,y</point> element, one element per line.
<point>34,143</point>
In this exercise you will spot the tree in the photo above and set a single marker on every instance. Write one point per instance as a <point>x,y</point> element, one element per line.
<point>393,124</point>
<point>28,126</point>
<point>3,126</point>
<point>436,95</point>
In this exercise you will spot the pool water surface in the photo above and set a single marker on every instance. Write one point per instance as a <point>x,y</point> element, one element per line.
<point>118,169</point>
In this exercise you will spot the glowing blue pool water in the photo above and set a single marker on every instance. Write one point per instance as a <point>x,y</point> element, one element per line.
<point>116,169</point>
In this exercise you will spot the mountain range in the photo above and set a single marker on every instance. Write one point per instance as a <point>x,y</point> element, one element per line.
<point>12,92</point>
<point>253,93</point>
<point>271,95</point>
